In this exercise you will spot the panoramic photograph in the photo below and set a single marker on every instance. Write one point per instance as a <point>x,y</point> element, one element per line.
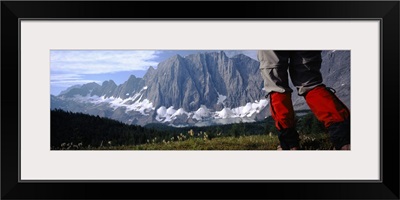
<point>200,100</point>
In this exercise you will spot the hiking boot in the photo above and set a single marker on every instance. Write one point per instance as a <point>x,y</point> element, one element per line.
<point>294,148</point>
<point>289,139</point>
<point>279,148</point>
<point>346,147</point>
<point>340,135</point>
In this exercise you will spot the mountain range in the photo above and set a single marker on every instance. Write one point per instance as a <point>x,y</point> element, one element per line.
<point>199,89</point>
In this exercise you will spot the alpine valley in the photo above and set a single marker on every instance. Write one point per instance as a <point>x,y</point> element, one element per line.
<point>196,90</point>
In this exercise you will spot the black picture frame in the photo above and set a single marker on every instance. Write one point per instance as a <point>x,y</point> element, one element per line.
<point>13,11</point>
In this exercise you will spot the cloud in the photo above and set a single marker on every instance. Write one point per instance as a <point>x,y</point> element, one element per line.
<point>100,62</point>
<point>65,76</point>
<point>67,80</point>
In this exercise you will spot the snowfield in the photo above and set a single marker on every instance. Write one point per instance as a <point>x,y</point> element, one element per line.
<point>247,111</point>
<point>168,115</point>
<point>134,103</point>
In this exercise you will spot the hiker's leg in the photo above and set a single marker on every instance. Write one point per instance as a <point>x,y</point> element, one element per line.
<point>332,112</point>
<point>306,76</point>
<point>274,70</point>
<point>274,66</point>
<point>282,112</point>
<point>305,70</point>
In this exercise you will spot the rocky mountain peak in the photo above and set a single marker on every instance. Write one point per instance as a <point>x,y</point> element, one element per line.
<point>109,83</point>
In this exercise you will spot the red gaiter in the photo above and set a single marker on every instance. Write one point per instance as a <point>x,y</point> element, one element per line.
<point>282,110</point>
<point>326,106</point>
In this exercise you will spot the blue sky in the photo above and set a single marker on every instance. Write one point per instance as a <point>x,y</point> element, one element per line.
<point>77,67</point>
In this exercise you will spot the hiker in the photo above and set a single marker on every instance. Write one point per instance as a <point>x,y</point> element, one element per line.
<point>304,68</point>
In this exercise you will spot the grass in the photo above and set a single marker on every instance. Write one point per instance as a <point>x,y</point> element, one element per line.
<point>222,143</point>
<point>253,142</point>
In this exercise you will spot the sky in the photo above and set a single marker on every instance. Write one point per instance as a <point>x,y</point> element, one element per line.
<point>77,67</point>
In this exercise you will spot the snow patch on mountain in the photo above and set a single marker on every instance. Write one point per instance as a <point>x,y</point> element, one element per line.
<point>144,107</point>
<point>247,111</point>
<point>221,99</point>
<point>130,104</point>
<point>180,111</point>
<point>162,114</point>
<point>170,114</point>
<point>243,111</point>
<point>224,113</point>
<point>202,112</point>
